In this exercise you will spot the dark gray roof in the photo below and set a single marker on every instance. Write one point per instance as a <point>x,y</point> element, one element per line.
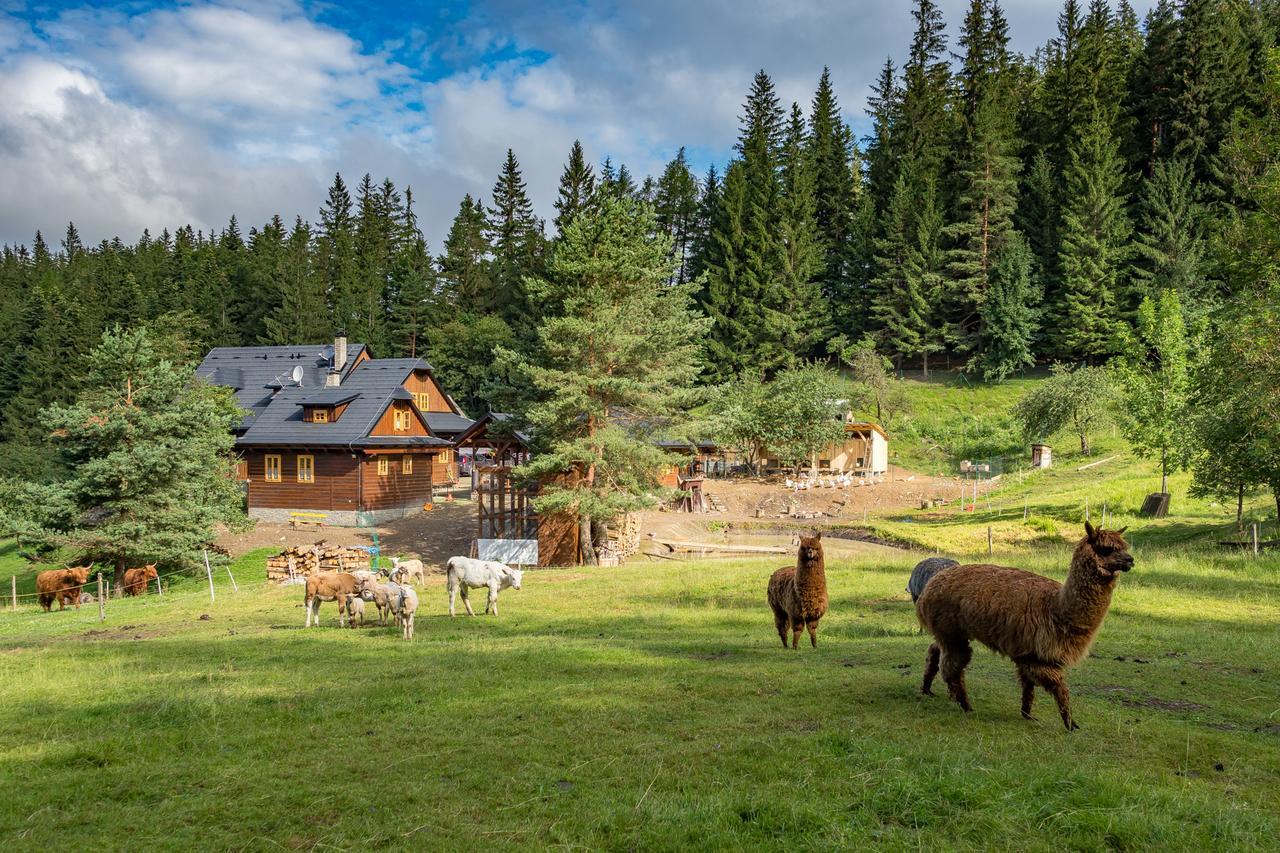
<point>447,423</point>
<point>255,372</point>
<point>330,397</point>
<point>281,422</point>
<point>402,364</point>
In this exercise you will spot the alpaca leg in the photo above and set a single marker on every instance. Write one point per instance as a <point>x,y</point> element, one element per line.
<point>954,660</point>
<point>781,623</point>
<point>1028,691</point>
<point>812,625</point>
<point>1054,681</point>
<point>797,628</point>
<point>931,658</point>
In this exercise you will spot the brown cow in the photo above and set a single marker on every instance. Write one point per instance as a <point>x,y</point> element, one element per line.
<point>62,585</point>
<point>136,580</point>
<point>329,586</point>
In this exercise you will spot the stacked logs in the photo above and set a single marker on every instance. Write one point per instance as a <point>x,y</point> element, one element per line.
<point>301,561</point>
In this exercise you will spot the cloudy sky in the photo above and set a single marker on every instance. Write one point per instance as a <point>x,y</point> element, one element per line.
<point>145,115</point>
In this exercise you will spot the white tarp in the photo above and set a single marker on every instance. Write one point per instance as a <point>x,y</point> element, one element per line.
<point>513,552</point>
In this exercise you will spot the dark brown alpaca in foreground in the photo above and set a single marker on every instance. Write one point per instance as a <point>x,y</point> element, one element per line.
<point>1044,627</point>
<point>798,594</point>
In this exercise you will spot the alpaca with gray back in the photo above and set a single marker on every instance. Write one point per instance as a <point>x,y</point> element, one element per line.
<point>798,594</point>
<point>924,571</point>
<point>1043,626</point>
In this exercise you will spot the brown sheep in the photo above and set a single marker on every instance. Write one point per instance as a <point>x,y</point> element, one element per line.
<point>136,580</point>
<point>62,585</point>
<point>1043,626</point>
<point>329,586</point>
<point>798,594</point>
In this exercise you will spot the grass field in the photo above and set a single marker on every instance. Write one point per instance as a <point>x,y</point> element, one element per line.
<point>646,707</point>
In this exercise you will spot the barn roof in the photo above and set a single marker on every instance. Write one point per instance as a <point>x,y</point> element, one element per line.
<point>447,424</point>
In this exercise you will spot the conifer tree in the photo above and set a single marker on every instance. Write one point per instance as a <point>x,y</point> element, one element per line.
<point>577,187</point>
<point>413,287</point>
<point>466,274</point>
<point>884,107</point>
<point>1095,233</point>
<point>675,208</point>
<point>336,250</point>
<point>1169,241</point>
<point>925,125</point>
<point>515,234</point>
<point>903,299</point>
<point>301,316</point>
<point>835,188</point>
<point>1009,316</point>
<point>805,310</point>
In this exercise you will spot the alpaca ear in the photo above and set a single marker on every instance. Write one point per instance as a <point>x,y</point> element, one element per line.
<point>1090,531</point>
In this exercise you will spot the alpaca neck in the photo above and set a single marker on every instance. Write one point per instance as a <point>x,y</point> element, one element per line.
<point>810,572</point>
<point>1084,598</point>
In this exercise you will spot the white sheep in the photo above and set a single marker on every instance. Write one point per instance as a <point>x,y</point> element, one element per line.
<point>355,610</point>
<point>464,572</point>
<point>406,607</point>
<point>380,595</point>
<point>408,570</point>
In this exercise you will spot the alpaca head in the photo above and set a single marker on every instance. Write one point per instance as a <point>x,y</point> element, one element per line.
<point>1109,552</point>
<point>811,547</point>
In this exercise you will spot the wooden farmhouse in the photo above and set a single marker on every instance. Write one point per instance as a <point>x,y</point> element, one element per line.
<point>332,431</point>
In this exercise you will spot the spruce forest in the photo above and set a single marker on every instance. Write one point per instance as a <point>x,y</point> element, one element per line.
<point>1004,210</point>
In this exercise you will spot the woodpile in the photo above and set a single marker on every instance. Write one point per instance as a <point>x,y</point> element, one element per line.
<point>624,540</point>
<point>302,561</point>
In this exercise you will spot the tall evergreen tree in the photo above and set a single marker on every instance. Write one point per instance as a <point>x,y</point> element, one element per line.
<point>336,262</point>
<point>1170,245</point>
<point>515,234</point>
<point>301,315</point>
<point>835,188</point>
<point>466,274</point>
<point>675,208</point>
<point>805,307</point>
<point>577,187</point>
<point>1009,316</point>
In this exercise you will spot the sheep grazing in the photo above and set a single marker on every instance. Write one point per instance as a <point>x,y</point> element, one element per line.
<point>406,607</point>
<point>408,571</point>
<point>61,585</point>
<point>1044,627</point>
<point>355,610</point>
<point>924,571</point>
<point>329,586</point>
<point>466,572</point>
<point>798,594</point>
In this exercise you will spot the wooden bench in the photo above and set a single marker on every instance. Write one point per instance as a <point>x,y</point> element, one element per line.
<point>316,519</point>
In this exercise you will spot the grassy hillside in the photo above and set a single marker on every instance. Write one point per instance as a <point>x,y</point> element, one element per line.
<point>644,707</point>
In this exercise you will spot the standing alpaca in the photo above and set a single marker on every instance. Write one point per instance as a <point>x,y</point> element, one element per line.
<point>798,594</point>
<point>1043,626</point>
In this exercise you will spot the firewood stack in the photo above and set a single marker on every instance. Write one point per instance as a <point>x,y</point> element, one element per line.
<point>301,560</point>
<point>624,535</point>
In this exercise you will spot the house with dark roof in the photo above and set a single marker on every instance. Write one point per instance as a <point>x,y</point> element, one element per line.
<point>329,429</point>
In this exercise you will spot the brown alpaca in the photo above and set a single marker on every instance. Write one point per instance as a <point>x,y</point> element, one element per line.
<point>1044,627</point>
<point>798,594</point>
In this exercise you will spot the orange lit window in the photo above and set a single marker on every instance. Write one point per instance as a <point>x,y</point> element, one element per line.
<point>271,469</point>
<point>384,466</point>
<point>306,469</point>
<point>406,465</point>
<point>319,416</point>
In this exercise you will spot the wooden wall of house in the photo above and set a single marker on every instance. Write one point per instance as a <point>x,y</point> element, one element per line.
<point>336,485</point>
<point>395,489</point>
<point>386,424</point>
<point>421,382</point>
<point>444,468</point>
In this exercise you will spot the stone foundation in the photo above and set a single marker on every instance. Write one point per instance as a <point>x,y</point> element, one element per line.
<point>338,518</point>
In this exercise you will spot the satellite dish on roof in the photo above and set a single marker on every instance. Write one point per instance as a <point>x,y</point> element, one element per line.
<point>297,374</point>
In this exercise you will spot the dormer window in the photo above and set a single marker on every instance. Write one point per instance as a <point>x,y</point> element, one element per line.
<point>401,420</point>
<point>318,414</point>
<point>422,401</point>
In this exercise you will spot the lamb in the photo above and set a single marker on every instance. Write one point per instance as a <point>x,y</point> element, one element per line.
<point>464,572</point>
<point>410,571</point>
<point>924,571</point>
<point>329,586</point>
<point>406,607</point>
<point>1044,627</point>
<point>371,590</point>
<point>355,610</point>
<point>798,594</point>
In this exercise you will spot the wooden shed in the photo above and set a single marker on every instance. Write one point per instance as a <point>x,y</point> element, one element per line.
<point>864,451</point>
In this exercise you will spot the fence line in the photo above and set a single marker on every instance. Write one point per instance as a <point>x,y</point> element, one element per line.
<point>15,595</point>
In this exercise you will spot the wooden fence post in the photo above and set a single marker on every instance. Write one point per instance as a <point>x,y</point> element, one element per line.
<point>209,571</point>
<point>1255,539</point>
<point>990,542</point>
<point>13,590</point>
<point>159,588</point>
<point>102,610</point>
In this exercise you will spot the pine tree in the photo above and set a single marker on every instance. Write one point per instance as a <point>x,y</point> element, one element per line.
<point>902,302</point>
<point>577,187</point>
<point>805,308</point>
<point>925,125</point>
<point>336,262</point>
<point>301,315</point>
<point>1095,231</point>
<point>709,210</point>
<point>675,207</point>
<point>515,234</point>
<point>1170,246</point>
<point>602,371</point>
<point>1009,318</point>
<point>835,188</point>
<point>466,274</point>
<point>884,108</point>
<point>413,287</point>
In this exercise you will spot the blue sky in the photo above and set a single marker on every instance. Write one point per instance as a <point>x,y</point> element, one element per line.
<point>145,115</point>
